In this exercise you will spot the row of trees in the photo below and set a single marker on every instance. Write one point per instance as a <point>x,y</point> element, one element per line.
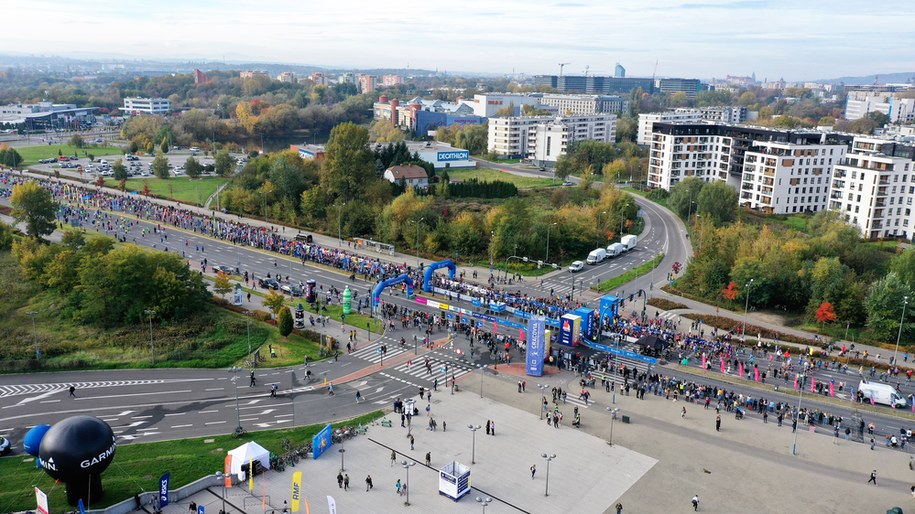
<point>612,161</point>
<point>9,157</point>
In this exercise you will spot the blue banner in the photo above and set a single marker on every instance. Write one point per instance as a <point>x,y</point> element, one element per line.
<point>536,347</point>
<point>321,442</point>
<point>621,353</point>
<point>81,507</point>
<point>163,489</point>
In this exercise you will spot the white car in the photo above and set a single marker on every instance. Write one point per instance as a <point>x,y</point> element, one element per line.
<point>5,446</point>
<point>576,266</point>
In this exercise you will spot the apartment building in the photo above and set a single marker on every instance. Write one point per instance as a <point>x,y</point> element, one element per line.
<point>287,77</point>
<point>786,178</point>
<point>367,83</point>
<point>898,103</point>
<point>586,104</point>
<point>547,141</point>
<point>146,105</point>
<point>873,188</point>
<point>508,136</point>
<point>725,114</point>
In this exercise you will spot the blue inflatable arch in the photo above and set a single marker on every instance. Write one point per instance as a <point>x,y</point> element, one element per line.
<point>430,269</point>
<point>376,293</point>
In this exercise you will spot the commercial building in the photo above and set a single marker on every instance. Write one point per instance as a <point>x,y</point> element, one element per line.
<point>898,103</point>
<point>488,104</point>
<point>309,152</point>
<point>46,115</point>
<point>689,115</point>
<point>146,105</point>
<point>789,177</point>
<point>671,86</point>
<point>508,136</point>
<point>423,116</point>
<point>585,104</point>
<point>873,188</point>
<point>547,141</point>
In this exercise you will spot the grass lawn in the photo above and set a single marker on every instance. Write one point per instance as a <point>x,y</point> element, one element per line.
<point>501,160</point>
<point>212,338</point>
<point>137,467</point>
<point>489,174</point>
<point>32,154</point>
<point>631,274</point>
<point>181,189</point>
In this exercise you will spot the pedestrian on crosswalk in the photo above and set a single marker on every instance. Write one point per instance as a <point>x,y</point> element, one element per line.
<point>72,392</point>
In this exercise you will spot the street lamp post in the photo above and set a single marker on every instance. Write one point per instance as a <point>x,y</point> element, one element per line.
<point>248,323</point>
<point>548,457</point>
<point>600,241</point>
<point>238,428</point>
<point>417,238</point>
<point>222,479</point>
<point>340,223</point>
<point>32,315</point>
<point>484,502</point>
<point>407,465</point>
<point>473,448</point>
<point>797,417</point>
<point>746,306</point>
<point>152,344</point>
<point>548,227</point>
<point>613,413</point>
<point>342,453</point>
<point>905,301</point>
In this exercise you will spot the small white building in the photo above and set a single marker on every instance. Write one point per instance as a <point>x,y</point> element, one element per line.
<point>408,175</point>
<point>146,105</point>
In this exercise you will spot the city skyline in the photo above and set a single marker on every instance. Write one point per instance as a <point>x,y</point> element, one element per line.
<point>706,40</point>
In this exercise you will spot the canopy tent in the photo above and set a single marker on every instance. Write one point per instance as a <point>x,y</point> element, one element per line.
<point>651,345</point>
<point>246,453</point>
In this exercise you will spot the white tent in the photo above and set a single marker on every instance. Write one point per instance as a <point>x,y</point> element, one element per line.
<point>246,453</point>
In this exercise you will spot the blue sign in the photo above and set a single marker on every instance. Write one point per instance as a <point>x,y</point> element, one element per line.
<point>163,489</point>
<point>321,442</point>
<point>81,507</point>
<point>536,347</point>
<point>200,509</point>
<point>621,353</point>
<point>460,155</point>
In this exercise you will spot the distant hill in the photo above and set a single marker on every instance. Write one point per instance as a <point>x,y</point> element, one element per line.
<point>880,78</point>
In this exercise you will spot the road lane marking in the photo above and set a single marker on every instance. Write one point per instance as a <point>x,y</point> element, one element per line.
<point>182,426</point>
<point>214,423</point>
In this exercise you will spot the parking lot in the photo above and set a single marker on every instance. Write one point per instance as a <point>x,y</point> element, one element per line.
<point>137,166</point>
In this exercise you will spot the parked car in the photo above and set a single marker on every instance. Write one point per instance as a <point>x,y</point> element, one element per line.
<point>5,446</point>
<point>576,266</point>
<point>223,269</point>
<point>268,283</point>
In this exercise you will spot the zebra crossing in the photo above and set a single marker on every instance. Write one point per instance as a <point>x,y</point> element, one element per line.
<point>438,368</point>
<point>7,391</point>
<point>371,352</point>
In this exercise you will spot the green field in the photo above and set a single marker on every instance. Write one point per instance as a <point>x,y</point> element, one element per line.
<point>181,189</point>
<point>136,468</point>
<point>489,174</point>
<point>32,154</point>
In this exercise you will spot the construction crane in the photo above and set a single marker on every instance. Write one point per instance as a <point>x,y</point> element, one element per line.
<point>561,66</point>
<point>587,68</point>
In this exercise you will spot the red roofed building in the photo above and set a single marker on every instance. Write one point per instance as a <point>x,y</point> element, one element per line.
<point>410,175</point>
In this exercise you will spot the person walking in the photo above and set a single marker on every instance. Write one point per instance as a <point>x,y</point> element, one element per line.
<point>411,441</point>
<point>683,412</point>
<point>533,471</point>
<point>397,486</point>
<point>492,428</point>
<point>72,392</point>
<point>428,458</point>
<point>873,478</point>
<point>695,502</point>
<point>346,482</point>
<point>718,423</point>
<point>368,483</point>
<point>340,480</point>
<point>487,427</point>
<point>253,380</point>
<point>393,457</point>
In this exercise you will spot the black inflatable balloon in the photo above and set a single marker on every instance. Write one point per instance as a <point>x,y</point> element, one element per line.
<point>76,451</point>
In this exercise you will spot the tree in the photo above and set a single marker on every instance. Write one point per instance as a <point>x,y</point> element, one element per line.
<point>221,284</point>
<point>163,146</point>
<point>285,322</point>
<point>718,202</point>
<point>225,164</point>
<point>119,170</point>
<point>349,167</point>
<point>884,303</point>
<point>160,166</point>
<point>77,141</point>
<point>10,157</point>
<point>34,206</point>
<point>192,167</point>
<point>615,171</point>
<point>730,292</point>
<point>383,131</point>
<point>275,302</point>
<point>826,313</point>
<point>683,193</point>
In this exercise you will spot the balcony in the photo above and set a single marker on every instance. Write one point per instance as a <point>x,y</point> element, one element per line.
<point>880,202</point>
<point>840,174</point>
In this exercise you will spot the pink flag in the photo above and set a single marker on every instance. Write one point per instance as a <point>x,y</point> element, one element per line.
<point>795,381</point>
<point>704,361</point>
<point>740,369</point>
<point>813,384</point>
<point>872,398</point>
<point>722,365</point>
<point>770,357</point>
<point>756,373</point>
<point>832,388</point>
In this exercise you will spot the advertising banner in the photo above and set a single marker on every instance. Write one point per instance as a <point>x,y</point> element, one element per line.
<point>42,500</point>
<point>331,505</point>
<point>569,329</point>
<point>227,471</point>
<point>163,489</point>
<point>536,348</point>
<point>321,442</point>
<point>296,490</point>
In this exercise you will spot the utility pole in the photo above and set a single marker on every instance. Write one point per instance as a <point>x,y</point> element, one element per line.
<point>32,315</point>
<point>152,344</point>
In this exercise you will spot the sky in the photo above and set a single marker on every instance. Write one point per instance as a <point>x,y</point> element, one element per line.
<point>790,39</point>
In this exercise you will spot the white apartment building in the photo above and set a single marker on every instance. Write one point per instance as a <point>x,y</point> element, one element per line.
<point>487,105</point>
<point>873,188</point>
<point>286,76</point>
<point>546,141</point>
<point>647,121</point>
<point>785,178</point>
<point>508,136</point>
<point>888,100</point>
<point>146,105</point>
<point>586,104</point>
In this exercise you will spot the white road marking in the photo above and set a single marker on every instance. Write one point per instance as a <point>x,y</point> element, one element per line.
<point>182,426</point>
<point>214,423</point>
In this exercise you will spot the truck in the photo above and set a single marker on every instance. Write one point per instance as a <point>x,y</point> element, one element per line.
<point>615,249</point>
<point>628,242</point>
<point>596,256</point>
<point>881,393</point>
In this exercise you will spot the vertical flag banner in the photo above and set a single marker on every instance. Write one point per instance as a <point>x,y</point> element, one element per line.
<point>722,365</point>
<point>227,471</point>
<point>251,475</point>
<point>296,490</point>
<point>81,507</point>
<point>740,369</point>
<point>42,500</point>
<point>331,505</point>
<point>536,347</point>
<point>756,374</point>
<point>832,388</point>
<point>163,489</point>
<point>813,385</point>
<point>703,360</point>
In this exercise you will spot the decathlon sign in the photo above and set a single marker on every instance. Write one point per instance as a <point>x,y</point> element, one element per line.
<point>461,155</point>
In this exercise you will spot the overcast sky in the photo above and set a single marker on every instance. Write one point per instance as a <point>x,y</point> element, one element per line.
<point>794,39</point>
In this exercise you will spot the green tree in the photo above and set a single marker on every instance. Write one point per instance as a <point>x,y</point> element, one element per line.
<point>221,285</point>
<point>77,141</point>
<point>10,157</point>
<point>884,303</point>
<point>119,170</point>
<point>163,146</point>
<point>615,171</point>
<point>192,167</point>
<point>6,237</point>
<point>275,302</point>
<point>684,192</point>
<point>903,265</point>
<point>285,322</point>
<point>349,166</point>
<point>383,131</point>
<point>34,206</point>
<point>225,164</point>
<point>160,166</point>
<point>718,202</point>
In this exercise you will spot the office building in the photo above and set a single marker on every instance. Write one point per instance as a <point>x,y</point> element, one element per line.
<point>585,104</point>
<point>671,86</point>
<point>146,105</point>
<point>788,177</point>
<point>618,71</point>
<point>898,103</point>
<point>597,85</point>
<point>548,140</point>
<point>873,188</point>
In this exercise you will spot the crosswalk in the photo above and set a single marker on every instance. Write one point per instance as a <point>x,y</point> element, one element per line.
<point>371,352</point>
<point>26,389</point>
<point>440,369</point>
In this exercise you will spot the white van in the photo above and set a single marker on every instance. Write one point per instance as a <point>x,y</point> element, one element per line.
<point>628,242</point>
<point>881,393</point>
<point>615,249</point>
<point>596,256</point>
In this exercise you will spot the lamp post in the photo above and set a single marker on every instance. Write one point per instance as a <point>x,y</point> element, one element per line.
<point>32,315</point>
<point>797,418</point>
<point>548,227</point>
<point>548,457</point>
<point>222,478</point>
<point>484,502</point>
<point>600,241</point>
<point>613,412</point>
<point>342,452</point>
<point>248,323</point>
<point>417,238</point>
<point>905,301</point>
<point>340,223</point>
<point>407,465</point>
<point>238,428</point>
<point>152,344</point>
<point>473,448</point>
<point>746,306</point>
